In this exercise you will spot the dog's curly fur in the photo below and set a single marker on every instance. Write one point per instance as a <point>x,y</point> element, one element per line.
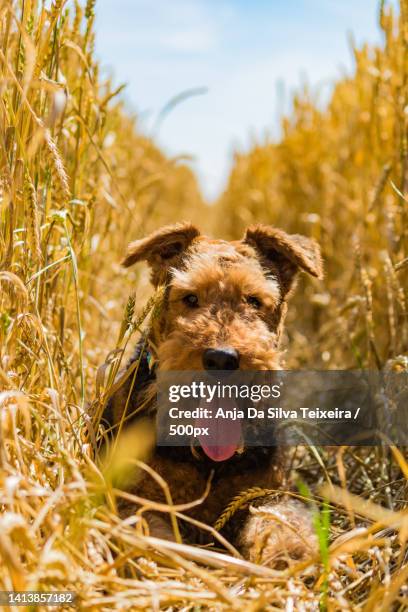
<point>241,290</point>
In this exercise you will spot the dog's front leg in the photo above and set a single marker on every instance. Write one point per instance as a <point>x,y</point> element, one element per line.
<point>278,533</point>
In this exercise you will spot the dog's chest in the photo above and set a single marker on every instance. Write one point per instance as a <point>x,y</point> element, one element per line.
<point>215,485</point>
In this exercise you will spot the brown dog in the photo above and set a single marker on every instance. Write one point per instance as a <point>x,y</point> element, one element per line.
<point>224,308</point>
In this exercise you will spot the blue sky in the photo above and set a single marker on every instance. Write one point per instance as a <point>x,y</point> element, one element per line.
<point>249,54</point>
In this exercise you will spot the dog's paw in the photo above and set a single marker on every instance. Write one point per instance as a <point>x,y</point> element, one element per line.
<point>159,527</point>
<point>279,534</point>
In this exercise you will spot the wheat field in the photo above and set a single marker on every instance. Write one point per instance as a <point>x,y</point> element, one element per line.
<point>78,180</point>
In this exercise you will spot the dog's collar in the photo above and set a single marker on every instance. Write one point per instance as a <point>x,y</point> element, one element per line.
<point>151,361</point>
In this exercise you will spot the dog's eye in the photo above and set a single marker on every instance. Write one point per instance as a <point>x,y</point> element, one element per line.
<point>252,300</point>
<point>191,300</point>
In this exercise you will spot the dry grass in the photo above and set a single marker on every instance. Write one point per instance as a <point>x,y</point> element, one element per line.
<point>77,182</point>
<point>341,175</point>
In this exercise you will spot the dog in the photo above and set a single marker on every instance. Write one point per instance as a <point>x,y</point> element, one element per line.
<point>224,308</point>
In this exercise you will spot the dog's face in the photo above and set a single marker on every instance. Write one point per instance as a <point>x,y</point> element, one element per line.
<point>225,301</point>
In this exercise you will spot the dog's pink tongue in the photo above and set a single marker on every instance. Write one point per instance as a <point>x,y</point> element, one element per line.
<point>224,435</point>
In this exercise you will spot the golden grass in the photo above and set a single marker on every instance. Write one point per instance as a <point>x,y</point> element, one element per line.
<point>341,175</point>
<point>77,183</point>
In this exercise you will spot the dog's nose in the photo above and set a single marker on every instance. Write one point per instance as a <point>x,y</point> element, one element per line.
<point>221,359</point>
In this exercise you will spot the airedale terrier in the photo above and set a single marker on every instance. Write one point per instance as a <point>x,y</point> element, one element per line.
<point>225,305</point>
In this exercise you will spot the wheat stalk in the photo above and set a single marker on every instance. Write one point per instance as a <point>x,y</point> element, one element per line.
<point>33,219</point>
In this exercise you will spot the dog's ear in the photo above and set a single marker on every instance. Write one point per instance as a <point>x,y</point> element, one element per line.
<point>286,254</point>
<point>162,249</point>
